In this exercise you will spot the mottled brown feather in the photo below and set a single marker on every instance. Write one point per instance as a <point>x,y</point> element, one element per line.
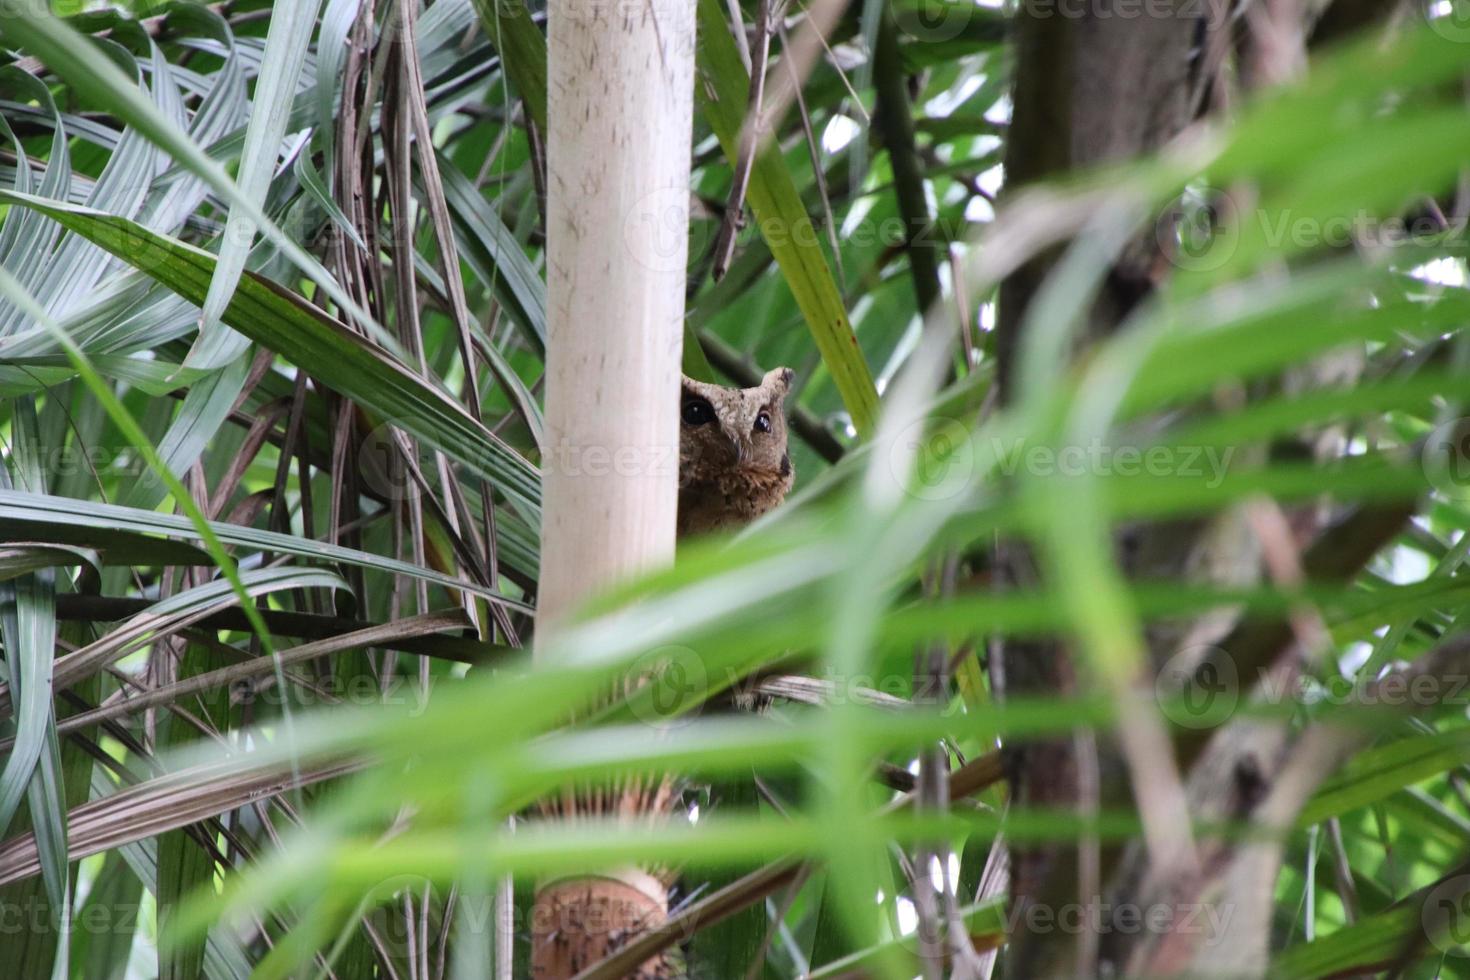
<point>731,468</point>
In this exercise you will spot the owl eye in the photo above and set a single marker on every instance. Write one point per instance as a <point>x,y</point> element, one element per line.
<point>697,412</point>
<point>763,422</point>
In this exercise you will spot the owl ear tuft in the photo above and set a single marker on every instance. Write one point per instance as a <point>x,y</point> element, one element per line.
<point>780,380</point>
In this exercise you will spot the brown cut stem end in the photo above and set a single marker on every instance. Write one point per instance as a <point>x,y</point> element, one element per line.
<point>578,921</point>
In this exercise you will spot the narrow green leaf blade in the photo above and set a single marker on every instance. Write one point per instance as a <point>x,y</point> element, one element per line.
<point>282,321</point>
<point>286,42</point>
<point>723,89</point>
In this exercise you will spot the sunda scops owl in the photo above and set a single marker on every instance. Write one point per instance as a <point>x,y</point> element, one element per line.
<point>733,461</point>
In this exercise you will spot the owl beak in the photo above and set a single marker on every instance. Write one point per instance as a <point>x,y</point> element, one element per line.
<point>740,452</point>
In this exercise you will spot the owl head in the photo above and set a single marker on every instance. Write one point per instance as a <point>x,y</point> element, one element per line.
<point>727,431</point>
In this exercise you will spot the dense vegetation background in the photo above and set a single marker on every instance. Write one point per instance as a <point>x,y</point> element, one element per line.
<point>1117,624</point>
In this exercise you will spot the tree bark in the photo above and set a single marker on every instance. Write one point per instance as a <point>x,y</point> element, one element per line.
<point>1097,85</point>
<point>1094,89</point>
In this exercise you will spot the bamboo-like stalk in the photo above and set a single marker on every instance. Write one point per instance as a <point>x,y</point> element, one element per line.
<point>620,84</point>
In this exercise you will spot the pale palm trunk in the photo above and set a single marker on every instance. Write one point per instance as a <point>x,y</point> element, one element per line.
<point>618,150</point>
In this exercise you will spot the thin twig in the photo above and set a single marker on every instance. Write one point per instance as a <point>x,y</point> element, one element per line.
<point>814,152</point>
<point>750,141</point>
<point>737,28</point>
<point>896,125</point>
